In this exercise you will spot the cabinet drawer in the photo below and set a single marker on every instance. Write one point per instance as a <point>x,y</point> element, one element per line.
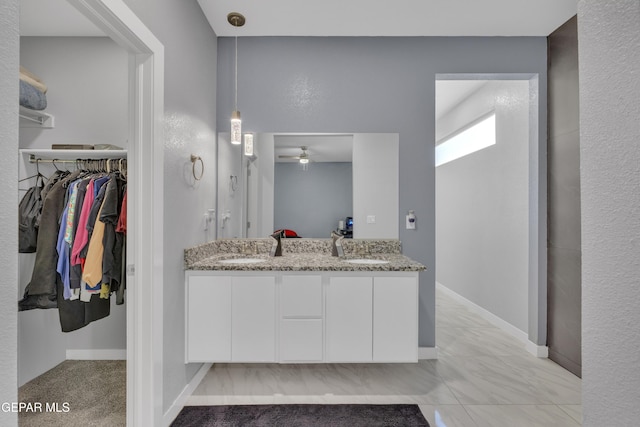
<point>301,296</point>
<point>301,340</point>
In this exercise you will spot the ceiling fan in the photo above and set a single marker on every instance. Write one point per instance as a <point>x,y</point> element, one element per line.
<point>303,157</point>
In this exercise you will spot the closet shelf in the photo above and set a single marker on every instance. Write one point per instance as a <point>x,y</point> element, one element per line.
<point>35,119</point>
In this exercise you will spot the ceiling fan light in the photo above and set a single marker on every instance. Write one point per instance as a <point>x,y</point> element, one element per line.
<point>304,160</point>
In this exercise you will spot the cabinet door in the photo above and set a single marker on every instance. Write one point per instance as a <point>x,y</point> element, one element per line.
<point>253,331</point>
<point>349,319</point>
<point>208,319</point>
<point>395,319</point>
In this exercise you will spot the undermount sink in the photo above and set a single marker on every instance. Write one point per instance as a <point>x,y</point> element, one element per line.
<point>367,261</point>
<point>242,260</point>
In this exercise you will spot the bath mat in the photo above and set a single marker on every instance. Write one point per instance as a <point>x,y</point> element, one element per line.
<point>301,416</point>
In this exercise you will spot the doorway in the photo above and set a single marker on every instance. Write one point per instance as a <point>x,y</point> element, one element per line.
<point>145,85</point>
<point>488,199</point>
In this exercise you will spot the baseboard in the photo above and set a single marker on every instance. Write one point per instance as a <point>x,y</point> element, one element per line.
<point>534,349</point>
<point>100,354</point>
<point>427,353</point>
<point>537,350</point>
<point>173,411</point>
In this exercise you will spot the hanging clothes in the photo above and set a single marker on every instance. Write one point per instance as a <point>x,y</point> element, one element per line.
<point>41,291</point>
<point>29,211</point>
<point>79,257</point>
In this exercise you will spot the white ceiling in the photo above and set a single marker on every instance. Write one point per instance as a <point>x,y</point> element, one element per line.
<point>320,147</point>
<point>450,93</point>
<point>343,18</point>
<point>54,18</point>
<point>338,17</point>
<point>390,18</point>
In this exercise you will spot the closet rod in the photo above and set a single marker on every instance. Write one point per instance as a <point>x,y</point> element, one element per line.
<point>34,159</point>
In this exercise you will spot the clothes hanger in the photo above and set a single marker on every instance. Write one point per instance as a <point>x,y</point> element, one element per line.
<point>37,175</point>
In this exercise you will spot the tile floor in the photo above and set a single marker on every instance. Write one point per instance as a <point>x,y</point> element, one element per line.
<point>483,377</point>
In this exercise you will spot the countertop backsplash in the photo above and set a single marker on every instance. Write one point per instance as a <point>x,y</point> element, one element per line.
<point>199,257</point>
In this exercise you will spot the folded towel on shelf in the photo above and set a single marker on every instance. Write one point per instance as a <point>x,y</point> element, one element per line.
<point>28,77</point>
<point>32,98</point>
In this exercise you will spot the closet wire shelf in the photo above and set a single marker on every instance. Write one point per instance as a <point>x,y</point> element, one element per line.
<point>39,118</point>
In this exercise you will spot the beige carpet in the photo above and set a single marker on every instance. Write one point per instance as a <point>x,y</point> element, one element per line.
<point>84,393</point>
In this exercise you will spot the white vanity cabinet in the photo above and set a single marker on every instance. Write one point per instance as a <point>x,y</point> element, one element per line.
<point>350,319</point>
<point>395,319</point>
<point>372,319</point>
<point>230,318</point>
<point>253,319</point>
<point>208,318</point>
<point>301,317</point>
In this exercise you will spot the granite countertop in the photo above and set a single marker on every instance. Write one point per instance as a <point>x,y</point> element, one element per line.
<point>298,255</point>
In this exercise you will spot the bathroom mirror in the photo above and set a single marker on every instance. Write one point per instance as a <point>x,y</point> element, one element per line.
<point>347,175</point>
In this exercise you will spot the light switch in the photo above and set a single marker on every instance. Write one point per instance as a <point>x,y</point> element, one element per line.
<point>371,219</point>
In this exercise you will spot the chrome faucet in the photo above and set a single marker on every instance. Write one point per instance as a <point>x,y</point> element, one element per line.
<point>336,244</point>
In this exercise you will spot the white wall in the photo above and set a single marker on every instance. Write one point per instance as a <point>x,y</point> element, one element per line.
<point>609,36</point>
<point>190,50</point>
<point>88,82</point>
<point>482,206</point>
<point>88,95</point>
<point>9,63</point>
<point>376,185</point>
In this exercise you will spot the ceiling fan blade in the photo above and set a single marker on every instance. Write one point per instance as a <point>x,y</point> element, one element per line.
<point>303,155</point>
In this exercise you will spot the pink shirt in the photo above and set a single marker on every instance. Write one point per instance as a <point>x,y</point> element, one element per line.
<point>82,236</point>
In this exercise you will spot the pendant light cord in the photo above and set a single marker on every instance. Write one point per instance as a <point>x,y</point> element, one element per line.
<point>236,73</point>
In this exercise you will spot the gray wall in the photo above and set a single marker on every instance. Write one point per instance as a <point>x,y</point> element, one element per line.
<point>189,97</point>
<point>312,202</point>
<point>564,256</point>
<point>334,84</point>
<point>9,63</point>
<point>609,36</point>
<point>88,95</point>
<point>482,215</point>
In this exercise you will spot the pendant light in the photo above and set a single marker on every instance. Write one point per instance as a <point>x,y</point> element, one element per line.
<point>237,20</point>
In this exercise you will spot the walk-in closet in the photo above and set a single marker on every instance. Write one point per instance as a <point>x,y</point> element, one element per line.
<point>72,329</point>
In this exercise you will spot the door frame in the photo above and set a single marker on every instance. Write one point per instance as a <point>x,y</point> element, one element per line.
<point>145,206</point>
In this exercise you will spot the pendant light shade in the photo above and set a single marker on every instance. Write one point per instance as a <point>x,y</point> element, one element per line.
<point>237,20</point>
<point>236,128</point>
<point>248,144</point>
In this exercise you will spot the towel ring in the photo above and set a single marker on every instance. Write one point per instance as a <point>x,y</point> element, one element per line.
<point>194,159</point>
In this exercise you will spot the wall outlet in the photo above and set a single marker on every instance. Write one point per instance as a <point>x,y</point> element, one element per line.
<point>371,219</point>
